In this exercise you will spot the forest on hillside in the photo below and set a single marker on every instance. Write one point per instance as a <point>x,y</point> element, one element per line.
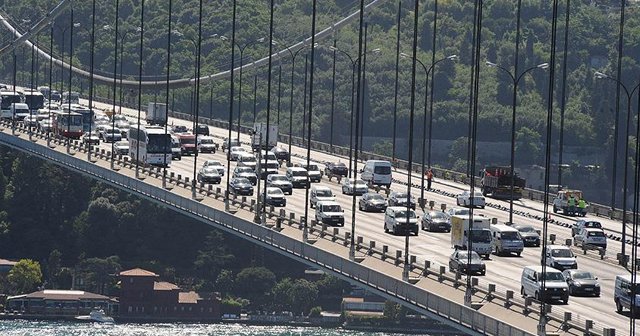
<point>69,225</point>
<point>592,46</point>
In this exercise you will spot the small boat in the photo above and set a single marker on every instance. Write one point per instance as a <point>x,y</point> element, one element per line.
<point>96,316</point>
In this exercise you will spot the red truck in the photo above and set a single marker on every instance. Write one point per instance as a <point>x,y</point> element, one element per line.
<point>187,143</point>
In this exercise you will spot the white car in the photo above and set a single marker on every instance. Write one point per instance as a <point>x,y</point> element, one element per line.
<point>464,199</point>
<point>351,186</point>
<point>458,212</point>
<point>122,147</point>
<point>215,164</point>
<point>236,151</point>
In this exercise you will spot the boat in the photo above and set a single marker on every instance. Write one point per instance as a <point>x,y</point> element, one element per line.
<point>96,316</point>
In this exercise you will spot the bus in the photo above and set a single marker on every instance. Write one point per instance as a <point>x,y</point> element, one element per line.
<point>34,99</point>
<point>74,97</point>
<point>67,124</point>
<point>87,115</point>
<point>150,145</point>
<point>6,99</point>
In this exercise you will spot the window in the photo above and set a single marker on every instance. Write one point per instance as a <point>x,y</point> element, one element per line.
<point>130,309</point>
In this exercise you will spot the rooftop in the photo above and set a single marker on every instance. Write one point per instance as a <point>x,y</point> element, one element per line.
<point>139,272</point>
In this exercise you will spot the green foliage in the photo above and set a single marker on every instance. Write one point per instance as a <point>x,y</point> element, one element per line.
<point>528,145</point>
<point>255,283</point>
<point>391,310</point>
<point>315,311</point>
<point>25,275</point>
<point>99,274</point>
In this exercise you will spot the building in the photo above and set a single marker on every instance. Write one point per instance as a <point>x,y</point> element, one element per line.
<point>56,303</point>
<point>143,297</point>
<point>6,265</point>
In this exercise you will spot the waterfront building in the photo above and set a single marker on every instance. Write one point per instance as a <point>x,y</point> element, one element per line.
<point>58,303</point>
<point>143,297</point>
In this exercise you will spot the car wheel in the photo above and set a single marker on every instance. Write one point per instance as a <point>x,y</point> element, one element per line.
<point>618,306</point>
<point>518,253</point>
<point>457,202</point>
<point>482,207</point>
<point>360,207</point>
<point>565,300</point>
<point>344,192</point>
<point>555,209</point>
<point>386,230</point>
<point>483,272</point>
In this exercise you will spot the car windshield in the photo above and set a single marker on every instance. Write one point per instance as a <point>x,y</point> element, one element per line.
<point>273,165</point>
<point>244,170</point>
<point>525,229</point>
<point>461,212</point>
<point>595,234</point>
<point>274,191</point>
<point>339,165</point>
<point>242,181</point>
<point>237,149</point>
<point>323,193</point>
<point>562,253</point>
<point>464,255</point>
<point>511,235</point>
<point>210,170</point>
<point>212,163</point>
<point>477,194</point>
<point>480,236</point>
<point>401,195</point>
<point>206,141</point>
<point>595,225</point>
<point>403,214</point>
<point>187,141</point>
<point>279,178</point>
<point>382,170</point>
<point>122,144</point>
<point>583,275</point>
<point>331,208</point>
<point>359,183</point>
<point>554,276</point>
<point>376,197</point>
<point>312,167</point>
<point>299,173</point>
<point>438,215</point>
<point>248,158</point>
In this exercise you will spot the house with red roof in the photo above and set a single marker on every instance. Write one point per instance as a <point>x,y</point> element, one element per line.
<point>144,297</point>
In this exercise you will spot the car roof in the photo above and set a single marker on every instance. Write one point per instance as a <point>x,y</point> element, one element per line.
<point>296,168</point>
<point>558,247</point>
<point>327,203</point>
<point>538,268</point>
<point>320,187</point>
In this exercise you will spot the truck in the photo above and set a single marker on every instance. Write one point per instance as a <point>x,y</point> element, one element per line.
<point>261,138</point>
<point>496,181</point>
<point>561,203</point>
<point>187,144</point>
<point>156,113</point>
<point>20,110</point>
<point>480,234</point>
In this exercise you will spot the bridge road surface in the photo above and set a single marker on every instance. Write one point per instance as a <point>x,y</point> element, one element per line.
<point>503,271</point>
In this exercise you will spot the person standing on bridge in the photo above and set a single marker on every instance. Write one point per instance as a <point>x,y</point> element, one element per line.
<point>429,176</point>
<point>571,202</point>
<point>582,206</point>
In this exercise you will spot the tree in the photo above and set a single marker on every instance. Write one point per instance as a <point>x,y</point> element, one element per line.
<point>303,295</point>
<point>212,257</point>
<point>98,274</point>
<point>280,295</point>
<point>225,282</point>
<point>255,282</point>
<point>528,146</point>
<point>53,267</point>
<point>25,275</point>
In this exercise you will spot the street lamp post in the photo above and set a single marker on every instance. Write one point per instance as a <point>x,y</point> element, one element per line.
<point>353,72</point>
<point>515,80</point>
<point>92,39</point>
<point>600,75</point>
<point>241,48</point>
<point>427,72</point>
<point>195,70</point>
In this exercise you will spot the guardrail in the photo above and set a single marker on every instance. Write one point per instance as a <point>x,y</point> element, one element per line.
<point>486,292</point>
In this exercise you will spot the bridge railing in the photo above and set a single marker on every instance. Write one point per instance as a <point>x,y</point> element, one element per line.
<point>389,285</point>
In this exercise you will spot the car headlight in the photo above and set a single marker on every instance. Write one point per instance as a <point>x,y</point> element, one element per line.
<point>578,284</point>
<point>564,289</point>
<point>597,284</point>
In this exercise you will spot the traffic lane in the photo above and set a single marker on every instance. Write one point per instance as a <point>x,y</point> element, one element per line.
<point>372,227</point>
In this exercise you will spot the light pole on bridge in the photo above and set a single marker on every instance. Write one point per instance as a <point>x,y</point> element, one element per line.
<point>241,48</point>
<point>629,94</point>
<point>427,72</point>
<point>515,81</point>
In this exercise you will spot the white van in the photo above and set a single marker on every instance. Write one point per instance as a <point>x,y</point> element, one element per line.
<point>555,284</point>
<point>395,220</point>
<point>315,175</point>
<point>377,172</point>
<point>329,212</point>
<point>505,239</point>
<point>561,257</point>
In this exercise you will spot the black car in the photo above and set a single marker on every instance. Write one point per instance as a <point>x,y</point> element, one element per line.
<point>436,221</point>
<point>335,169</point>
<point>582,283</point>
<point>372,202</point>
<point>400,198</point>
<point>280,153</point>
<point>530,236</point>
<point>459,261</point>
<point>202,129</point>
<point>209,175</point>
<point>179,129</point>
<point>241,186</point>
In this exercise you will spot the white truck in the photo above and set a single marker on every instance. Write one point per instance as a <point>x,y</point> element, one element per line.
<point>156,113</point>
<point>20,110</point>
<point>480,234</point>
<point>261,138</point>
